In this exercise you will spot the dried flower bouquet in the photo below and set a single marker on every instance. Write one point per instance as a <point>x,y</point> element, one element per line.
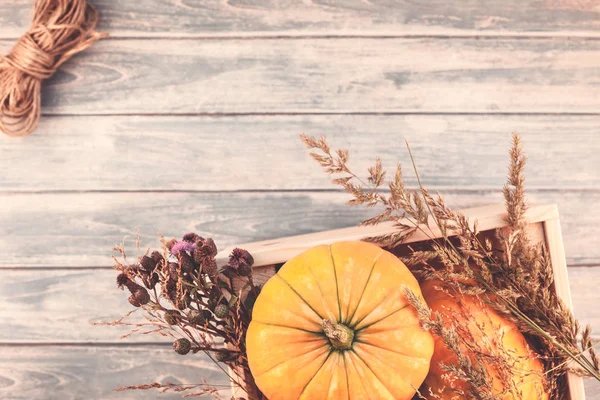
<point>183,294</point>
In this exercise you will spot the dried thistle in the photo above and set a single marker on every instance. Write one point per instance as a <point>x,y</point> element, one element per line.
<point>185,298</point>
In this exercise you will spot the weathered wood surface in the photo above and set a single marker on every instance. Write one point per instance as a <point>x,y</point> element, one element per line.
<point>91,372</point>
<point>328,75</point>
<point>154,134</point>
<point>58,306</point>
<point>592,390</point>
<point>77,230</point>
<point>152,152</point>
<point>148,18</point>
<point>75,372</point>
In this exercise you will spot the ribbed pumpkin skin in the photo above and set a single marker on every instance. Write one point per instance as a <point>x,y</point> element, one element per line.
<point>527,370</point>
<point>354,283</point>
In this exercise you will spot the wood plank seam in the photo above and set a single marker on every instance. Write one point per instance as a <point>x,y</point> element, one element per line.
<point>409,112</point>
<point>480,35</point>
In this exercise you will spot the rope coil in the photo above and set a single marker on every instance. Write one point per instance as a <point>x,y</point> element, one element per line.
<point>60,29</point>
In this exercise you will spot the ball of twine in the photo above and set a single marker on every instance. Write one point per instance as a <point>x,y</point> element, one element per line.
<point>60,28</point>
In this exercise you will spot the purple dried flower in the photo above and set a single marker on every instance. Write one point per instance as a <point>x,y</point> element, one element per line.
<point>240,257</point>
<point>241,262</point>
<point>182,246</point>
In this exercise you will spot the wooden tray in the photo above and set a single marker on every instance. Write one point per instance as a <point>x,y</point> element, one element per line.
<point>543,225</point>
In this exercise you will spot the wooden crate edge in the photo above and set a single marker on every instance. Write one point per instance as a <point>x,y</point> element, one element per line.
<point>279,250</point>
<point>556,251</point>
<point>490,217</point>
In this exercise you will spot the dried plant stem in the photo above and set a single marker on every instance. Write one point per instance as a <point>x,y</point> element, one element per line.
<point>512,275</point>
<point>584,363</point>
<point>185,296</point>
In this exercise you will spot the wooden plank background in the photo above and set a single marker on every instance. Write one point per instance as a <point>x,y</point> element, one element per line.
<point>187,119</point>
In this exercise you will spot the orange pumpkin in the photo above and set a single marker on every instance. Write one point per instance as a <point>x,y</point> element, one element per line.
<point>485,325</point>
<point>334,323</point>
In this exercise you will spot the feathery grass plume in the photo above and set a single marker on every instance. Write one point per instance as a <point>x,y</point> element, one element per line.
<point>513,275</point>
<point>473,372</point>
<point>199,307</point>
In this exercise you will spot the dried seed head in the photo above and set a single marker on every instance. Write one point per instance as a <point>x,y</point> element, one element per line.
<point>123,280</point>
<point>221,311</point>
<point>147,264</point>
<point>172,317</point>
<point>141,296</point>
<point>169,290</point>
<point>150,280</point>
<point>209,267</point>
<point>133,301</point>
<point>182,346</point>
<point>204,249</point>
<point>146,272</point>
<point>221,356</point>
<point>196,317</point>
<point>133,269</point>
<point>210,247</point>
<point>157,257</point>
<point>241,262</point>
<point>240,257</point>
<point>215,294</point>
<point>173,269</point>
<point>186,262</point>
<point>192,237</point>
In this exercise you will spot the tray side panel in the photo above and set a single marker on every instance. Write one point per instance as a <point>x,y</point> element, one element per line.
<point>282,249</point>
<point>556,250</point>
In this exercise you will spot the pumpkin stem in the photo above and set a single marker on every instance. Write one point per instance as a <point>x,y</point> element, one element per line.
<point>340,336</point>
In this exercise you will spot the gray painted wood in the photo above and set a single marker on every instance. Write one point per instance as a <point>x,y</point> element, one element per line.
<point>421,60</point>
<point>592,389</point>
<point>67,373</point>
<point>348,17</point>
<point>334,75</point>
<point>77,229</point>
<point>88,372</point>
<point>58,306</point>
<point>153,153</point>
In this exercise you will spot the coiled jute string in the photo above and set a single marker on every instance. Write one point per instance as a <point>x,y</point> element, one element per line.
<point>60,28</point>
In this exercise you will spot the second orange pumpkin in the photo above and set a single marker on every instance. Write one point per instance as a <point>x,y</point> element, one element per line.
<point>484,324</point>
